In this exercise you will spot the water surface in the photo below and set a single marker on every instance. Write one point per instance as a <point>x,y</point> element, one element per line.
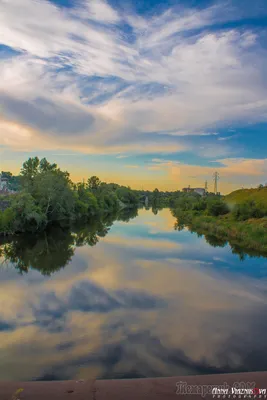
<point>135,298</point>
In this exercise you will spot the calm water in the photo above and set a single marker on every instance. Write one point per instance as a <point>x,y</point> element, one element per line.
<point>132,299</point>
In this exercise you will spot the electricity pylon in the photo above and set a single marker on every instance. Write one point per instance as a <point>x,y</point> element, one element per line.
<point>216,178</point>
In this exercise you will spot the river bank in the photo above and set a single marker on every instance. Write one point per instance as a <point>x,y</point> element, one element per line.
<point>250,234</point>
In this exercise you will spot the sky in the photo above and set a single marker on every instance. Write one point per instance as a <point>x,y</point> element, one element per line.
<point>147,93</point>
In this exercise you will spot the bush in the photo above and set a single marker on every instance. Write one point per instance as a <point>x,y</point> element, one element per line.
<point>217,207</point>
<point>7,221</point>
<point>187,202</point>
<point>247,210</point>
<point>201,205</point>
<point>28,216</point>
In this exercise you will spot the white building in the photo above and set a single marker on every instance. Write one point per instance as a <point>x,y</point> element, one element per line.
<point>3,183</point>
<point>200,191</point>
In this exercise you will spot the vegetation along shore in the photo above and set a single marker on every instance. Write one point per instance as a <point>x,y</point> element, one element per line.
<point>46,195</point>
<point>239,218</point>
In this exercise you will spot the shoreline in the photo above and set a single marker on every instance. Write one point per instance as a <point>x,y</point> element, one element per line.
<point>247,236</point>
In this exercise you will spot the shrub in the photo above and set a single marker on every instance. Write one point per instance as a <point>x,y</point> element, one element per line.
<point>28,216</point>
<point>217,207</point>
<point>7,221</point>
<point>248,209</point>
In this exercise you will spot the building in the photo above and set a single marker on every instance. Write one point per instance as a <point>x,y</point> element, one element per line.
<point>3,184</point>
<point>199,191</point>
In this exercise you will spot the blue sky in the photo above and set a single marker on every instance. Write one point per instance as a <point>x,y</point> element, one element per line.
<point>149,93</point>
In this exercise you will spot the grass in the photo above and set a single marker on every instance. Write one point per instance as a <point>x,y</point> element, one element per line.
<point>239,196</point>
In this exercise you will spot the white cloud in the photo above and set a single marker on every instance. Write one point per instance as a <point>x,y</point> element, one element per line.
<point>122,156</point>
<point>162,81</point>
<point>99,10</point>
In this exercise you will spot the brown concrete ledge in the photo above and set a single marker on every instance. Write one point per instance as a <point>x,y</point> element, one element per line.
<point>128,389</point>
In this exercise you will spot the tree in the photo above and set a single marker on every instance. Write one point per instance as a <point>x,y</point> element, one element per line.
<point>127,196</point>
<point>29,217</point>
<point>86,203</point>
<point>30,169</point>
<point>52,191</point>
<point>45,166</point>
<point>93,183</point>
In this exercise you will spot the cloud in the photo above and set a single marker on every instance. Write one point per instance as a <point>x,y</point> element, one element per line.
<point>228,137</point>
<point>79,79</point>
<point>122,156</point>
<point>47,116</point>
<point>99,11</point>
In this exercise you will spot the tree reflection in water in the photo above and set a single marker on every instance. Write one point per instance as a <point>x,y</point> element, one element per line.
<point>53,249</point>
<point>217,241</point>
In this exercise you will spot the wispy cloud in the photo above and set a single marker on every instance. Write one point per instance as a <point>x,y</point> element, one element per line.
<point>122,156</point>
<point>228,137</point>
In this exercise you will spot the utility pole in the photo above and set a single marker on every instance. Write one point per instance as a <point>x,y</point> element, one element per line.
<point>206,186</point>
<point>216,177</point>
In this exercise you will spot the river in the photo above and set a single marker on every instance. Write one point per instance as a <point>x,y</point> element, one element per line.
<point>126,299</point>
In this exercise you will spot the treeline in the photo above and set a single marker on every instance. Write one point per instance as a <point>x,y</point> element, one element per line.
<point>215,206</point>
<point>48,196</point>
<point>158,199</point>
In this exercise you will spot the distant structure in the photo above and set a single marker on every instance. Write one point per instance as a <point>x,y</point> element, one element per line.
<point>187,190</point>
<point>216,178</point>
<point>199,191</point>
<point>3,184</point>
<point>4,188</point>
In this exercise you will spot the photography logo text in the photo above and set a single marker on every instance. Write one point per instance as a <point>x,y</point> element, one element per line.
<point>238,390</point>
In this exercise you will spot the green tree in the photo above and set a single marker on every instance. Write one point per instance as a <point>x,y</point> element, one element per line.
<point>28,216</point>
<point>86,203</point>
<point>28,171</point>
<point>127,196</point>
<point>52,191</point>
<point>93,183</point>
<point>45,166</point>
